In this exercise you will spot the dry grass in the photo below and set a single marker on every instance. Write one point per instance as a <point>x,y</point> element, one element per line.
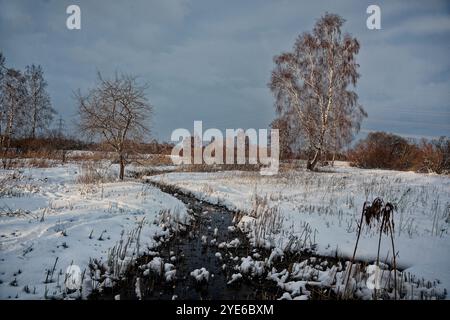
<point>17,163</point>
<point>151,160</point>
<point>95,172</point>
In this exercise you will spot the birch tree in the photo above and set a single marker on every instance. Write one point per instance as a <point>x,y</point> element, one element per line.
<point>2,66</point>
<point>40,111</point>
<point>117,112</point>
<point>12,105</point>
<point>313,85</point>
<point>2,77</point>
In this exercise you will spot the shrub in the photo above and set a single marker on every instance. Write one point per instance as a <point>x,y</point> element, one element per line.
<point>389,151</point>
<point>429,158</point>
<point>384,150</point>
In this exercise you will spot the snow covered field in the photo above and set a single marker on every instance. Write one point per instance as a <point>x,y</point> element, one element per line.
<point>300,209</point>
<point>49,222</point>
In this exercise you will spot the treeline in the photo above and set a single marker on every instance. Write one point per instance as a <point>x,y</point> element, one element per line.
<point>389,151</point>
<point>26,116</point>
<point>51,144</point>
<point>139,147</point>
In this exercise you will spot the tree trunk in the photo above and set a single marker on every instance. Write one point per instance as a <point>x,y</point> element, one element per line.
<point>33,128</point>
<point>311,165</point>
<point>34,120</point>
<point>122,166</point>
<point>64,156</point>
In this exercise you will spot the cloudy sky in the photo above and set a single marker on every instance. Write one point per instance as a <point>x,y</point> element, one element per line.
<point>211,60</point>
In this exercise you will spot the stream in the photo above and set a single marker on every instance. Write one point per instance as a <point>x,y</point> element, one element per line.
<point>198,248</point>
<point>213,260</point>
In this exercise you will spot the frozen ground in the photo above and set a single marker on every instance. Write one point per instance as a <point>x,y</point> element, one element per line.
<point>299,209</point>
<point>49,221</point>
<point>46,217</point>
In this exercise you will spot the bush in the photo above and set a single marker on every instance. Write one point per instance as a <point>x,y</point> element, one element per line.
<point>384,150</point>
<point>389,151</point>
<point>430,158</point>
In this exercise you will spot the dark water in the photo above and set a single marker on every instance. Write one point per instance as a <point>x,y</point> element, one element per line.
<point>188,251</point>
<point>191,253</point>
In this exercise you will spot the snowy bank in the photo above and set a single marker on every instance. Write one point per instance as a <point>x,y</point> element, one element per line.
<point>49,222</point>
<point>301,209</point>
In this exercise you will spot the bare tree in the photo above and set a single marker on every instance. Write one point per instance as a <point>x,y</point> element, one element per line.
<point>311,84</point>
<point>40,109</point>
<point>117,111</point>
<point>13,96</point>
<point>12,105</point>
<point>2,66</point>
<point>2,109</point>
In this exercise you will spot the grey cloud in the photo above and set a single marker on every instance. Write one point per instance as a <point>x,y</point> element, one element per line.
<point>211,60</point>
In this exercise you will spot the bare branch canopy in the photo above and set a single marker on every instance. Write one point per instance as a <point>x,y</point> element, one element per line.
<point>116,111</point>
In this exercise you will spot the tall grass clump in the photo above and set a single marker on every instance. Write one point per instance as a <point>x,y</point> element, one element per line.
<point>378,215</point>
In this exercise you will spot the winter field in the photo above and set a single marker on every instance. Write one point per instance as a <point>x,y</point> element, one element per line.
<point>301,209</point>
<point>52,219</point>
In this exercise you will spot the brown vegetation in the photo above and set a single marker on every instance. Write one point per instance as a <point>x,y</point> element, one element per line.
<point>388,151</point>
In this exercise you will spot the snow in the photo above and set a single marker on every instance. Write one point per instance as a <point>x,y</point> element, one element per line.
<point>235,277</point>
<point>251,267</point>
<point>200,275</point>
<point>327,279</point>
<point>50,225</point>
<point>138,288</point>
<point>276,254</point>
<point>246,224</point>
<point>285,296</point>
<point>233,243</point>
<point>155,266</point>
<point>169,272</point>
<point>299,209</point>
<point>54,223</point>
